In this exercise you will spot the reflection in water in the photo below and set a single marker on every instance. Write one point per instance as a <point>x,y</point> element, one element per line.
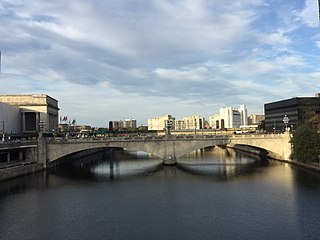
<point>111,164</point>
<point>222,163</point>
<point>81,201</point>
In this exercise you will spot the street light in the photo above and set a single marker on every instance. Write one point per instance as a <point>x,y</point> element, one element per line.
<point>169,125</point>
<point>286,121</point>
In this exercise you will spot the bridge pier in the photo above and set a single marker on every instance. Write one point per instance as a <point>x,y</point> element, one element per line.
<point>42,152</point>
<point>169,156</point>
<point>170,160</point>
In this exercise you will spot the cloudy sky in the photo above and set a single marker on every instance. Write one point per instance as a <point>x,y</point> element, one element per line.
<point>117,59</point>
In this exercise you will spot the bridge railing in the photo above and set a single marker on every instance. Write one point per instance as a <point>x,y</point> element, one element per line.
<point>15,143</point>
<point>162,138</point>
<point>135,138</point>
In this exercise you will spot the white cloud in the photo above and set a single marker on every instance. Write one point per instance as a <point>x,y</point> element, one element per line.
<point>187,74</point>
<point>105,60</point>
<point>309,15</point>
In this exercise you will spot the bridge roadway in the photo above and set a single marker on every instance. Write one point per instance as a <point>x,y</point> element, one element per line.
<point>168,148</point>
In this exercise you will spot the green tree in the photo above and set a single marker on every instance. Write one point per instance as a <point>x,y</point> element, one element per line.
<point>306,144</point>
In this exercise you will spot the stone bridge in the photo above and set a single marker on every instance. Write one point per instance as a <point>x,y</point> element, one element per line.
<point>169,148</point>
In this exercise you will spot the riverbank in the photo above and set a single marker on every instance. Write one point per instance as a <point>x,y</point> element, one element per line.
<point>10,171</point>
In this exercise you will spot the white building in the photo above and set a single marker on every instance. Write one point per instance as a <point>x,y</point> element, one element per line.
<point>243,114</point>
<point>179,125</point>
<point>10,119</point>
<point>214,121</point>
<point>130,123</point>
<point>35,109</point>
<point>160,123</point>
<point>194,122</point>
<point>229,118</point>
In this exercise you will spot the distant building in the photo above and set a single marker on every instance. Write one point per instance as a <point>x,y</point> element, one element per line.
<point>83,128</point>
<point>229,118</point>
<point>299,110</point>
<point>130,123</point>
<point>179,125</point>
<point>36,111</point>
<point>194,122</point>
<point>255,119</point>
<point>214,121</point>
<point>160,123</point>
<point>190,122</point>
<point>127,124</point>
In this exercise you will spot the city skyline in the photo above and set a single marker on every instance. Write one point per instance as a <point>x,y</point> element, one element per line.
<point>141,59</point>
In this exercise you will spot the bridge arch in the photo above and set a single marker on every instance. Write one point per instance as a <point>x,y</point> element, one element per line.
<point>168,148</point>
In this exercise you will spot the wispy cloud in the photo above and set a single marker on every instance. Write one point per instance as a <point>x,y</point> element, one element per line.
<point>107,60</point>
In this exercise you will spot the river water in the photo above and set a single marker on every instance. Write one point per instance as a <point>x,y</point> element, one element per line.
<point>211,194</point>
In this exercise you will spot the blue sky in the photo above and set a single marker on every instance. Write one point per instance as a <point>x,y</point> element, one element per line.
<point>117,59</point>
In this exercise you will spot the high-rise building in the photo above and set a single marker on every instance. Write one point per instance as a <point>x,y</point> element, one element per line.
<point>243,115</point>
<point>127,124</point>
<point>299,110</point>
<point>230,118</point>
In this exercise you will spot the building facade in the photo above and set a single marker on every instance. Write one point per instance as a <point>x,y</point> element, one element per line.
<point>299,110</point>
<point>38,111</point>
<point>255,119</point>
<point>127,124</point>
<point>10,119</point>
<point>194,122</point>
<point>161,123</point>
<point>179,125</point>
<point>229,118</point>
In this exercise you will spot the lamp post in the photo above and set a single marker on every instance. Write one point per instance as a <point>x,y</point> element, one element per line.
<point>286,121</point>
<point>169,125</point>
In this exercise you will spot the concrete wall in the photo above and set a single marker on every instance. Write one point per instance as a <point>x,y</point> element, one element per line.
<point>11,117</point>
<point>279,144</point>
<point>13,172</point>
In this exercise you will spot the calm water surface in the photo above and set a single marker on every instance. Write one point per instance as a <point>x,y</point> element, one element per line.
<point>211,194</point>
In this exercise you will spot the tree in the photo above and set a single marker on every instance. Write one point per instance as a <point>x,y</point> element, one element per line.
<point>313,121</point>
<point>306,144</point>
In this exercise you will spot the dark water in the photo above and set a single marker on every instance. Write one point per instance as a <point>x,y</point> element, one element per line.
<point>211,194</point>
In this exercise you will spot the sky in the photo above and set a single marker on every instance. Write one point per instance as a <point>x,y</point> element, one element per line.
<point>140,59</point>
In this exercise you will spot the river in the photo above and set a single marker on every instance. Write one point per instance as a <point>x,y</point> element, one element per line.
<point>211,194</point>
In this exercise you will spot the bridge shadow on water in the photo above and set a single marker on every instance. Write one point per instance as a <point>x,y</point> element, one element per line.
<point>108,164</point>
<point>221,163</point>
<point>114,164</point>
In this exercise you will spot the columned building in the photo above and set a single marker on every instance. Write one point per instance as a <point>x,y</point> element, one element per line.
<point>37,111</point>
<point>299,110</point>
